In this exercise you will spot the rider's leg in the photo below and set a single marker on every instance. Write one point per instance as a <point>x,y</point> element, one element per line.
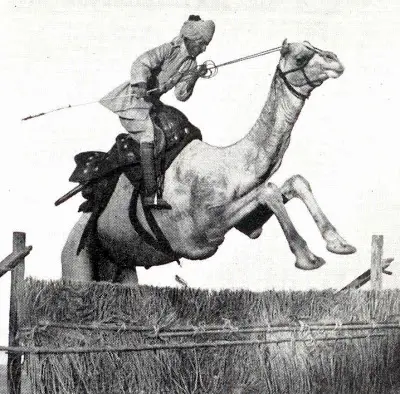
<point>143,132</point>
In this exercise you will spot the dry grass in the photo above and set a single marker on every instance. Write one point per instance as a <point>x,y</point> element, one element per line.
<point>25,386</point>
<point>369,365</point>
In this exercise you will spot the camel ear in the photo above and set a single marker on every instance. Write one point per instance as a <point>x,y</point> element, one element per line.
<point>285,47</point>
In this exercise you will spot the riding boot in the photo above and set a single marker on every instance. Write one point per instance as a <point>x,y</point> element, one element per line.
<point>150,197</point>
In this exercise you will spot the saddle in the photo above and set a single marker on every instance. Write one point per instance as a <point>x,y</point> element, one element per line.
<point>98,172</point>
<point>172,132</point>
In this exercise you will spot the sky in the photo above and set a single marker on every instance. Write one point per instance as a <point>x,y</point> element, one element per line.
<point>345,141</point>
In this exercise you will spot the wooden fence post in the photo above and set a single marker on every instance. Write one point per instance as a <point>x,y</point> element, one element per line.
<point>376,262</point>
<point>17,277</point>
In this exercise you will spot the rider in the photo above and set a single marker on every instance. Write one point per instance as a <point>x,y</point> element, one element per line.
<point>170,65</point>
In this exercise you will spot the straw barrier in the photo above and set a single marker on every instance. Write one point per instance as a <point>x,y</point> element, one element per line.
<point>103,338</point>
<point>107,338</point>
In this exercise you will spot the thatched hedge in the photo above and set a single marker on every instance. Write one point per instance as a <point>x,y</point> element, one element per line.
<point>362,365</point>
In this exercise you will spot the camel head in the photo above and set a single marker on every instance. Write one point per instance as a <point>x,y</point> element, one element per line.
<point>303,67</point>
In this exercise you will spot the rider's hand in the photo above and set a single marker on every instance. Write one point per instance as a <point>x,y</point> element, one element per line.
<point>202,70</point>
<point>139,90</point>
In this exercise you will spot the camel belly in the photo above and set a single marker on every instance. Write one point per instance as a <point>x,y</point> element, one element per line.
<point>126,246</point>
<point>129,249</point>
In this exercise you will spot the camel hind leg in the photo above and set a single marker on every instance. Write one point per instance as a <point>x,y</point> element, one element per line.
<point>93,262</point>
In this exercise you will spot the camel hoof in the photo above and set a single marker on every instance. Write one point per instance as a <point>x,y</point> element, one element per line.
<point>340,248</point>
<point>307,265</point>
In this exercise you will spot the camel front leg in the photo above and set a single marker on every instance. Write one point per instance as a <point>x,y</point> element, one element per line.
<point>269,196</point>
<point>298,187</point>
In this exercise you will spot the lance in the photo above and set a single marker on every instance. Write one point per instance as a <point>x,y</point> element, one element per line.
<point>210,68</point>
<point>82,104</point>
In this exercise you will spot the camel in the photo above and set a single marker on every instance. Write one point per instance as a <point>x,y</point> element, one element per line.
<point>214,189</point>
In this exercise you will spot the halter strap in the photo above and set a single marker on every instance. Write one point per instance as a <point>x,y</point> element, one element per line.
<point>299,95</point>
<point>313,84</point>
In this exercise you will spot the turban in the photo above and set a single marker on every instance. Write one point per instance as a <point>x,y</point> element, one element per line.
<point>198,30</point>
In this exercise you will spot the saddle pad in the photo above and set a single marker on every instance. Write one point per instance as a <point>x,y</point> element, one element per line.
<point>178,132</point>
<point>91,166</point>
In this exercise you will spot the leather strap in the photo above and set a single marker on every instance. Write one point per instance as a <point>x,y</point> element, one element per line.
<point>299,95</point>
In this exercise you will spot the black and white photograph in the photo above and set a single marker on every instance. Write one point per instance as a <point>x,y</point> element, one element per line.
<point>200,197</point>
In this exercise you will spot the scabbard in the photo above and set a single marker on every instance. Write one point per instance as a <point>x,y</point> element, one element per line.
<point>70,194</point>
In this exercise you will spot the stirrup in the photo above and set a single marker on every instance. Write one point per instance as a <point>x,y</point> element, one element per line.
<point>155,202</point>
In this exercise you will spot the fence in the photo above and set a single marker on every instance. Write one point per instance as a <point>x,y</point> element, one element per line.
<point>161,337</point>
<point>16,264</point>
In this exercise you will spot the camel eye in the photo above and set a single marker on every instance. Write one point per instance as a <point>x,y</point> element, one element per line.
<point>330,56</point>
<point>301,60</point>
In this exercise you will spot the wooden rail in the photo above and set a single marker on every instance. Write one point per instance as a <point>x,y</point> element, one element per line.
<point>13,259</point>
<point>15,262</point>
<point>379,265</point>
<point>184,345</point>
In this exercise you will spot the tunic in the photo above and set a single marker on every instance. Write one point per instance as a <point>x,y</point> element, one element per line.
<point>160,68</point>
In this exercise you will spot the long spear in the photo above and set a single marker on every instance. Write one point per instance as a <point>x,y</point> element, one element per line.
<point>211,71</point>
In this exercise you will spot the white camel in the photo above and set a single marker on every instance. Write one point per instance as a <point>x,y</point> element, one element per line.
<point>213,189</point>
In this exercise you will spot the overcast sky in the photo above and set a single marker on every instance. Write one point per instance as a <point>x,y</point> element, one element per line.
<point>345,141</point>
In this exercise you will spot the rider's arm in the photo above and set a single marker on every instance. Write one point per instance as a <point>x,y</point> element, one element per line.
<point>145,64</point>
<point>184,88</point>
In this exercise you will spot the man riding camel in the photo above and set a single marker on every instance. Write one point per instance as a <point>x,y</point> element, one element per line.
<point>152,74</point>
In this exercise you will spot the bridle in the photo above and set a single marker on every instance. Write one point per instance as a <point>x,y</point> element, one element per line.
<point>301,68</point>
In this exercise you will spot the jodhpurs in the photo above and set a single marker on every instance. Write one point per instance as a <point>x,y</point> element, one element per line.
<point>141,130</point>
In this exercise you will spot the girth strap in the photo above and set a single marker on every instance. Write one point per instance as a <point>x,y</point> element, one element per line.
<point>160,242</point>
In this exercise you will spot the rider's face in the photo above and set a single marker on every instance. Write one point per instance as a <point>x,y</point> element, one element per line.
<point>195,47</point>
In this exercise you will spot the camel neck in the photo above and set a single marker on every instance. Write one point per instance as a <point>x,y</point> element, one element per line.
<point>277,118</point>
<point>267,141</point>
